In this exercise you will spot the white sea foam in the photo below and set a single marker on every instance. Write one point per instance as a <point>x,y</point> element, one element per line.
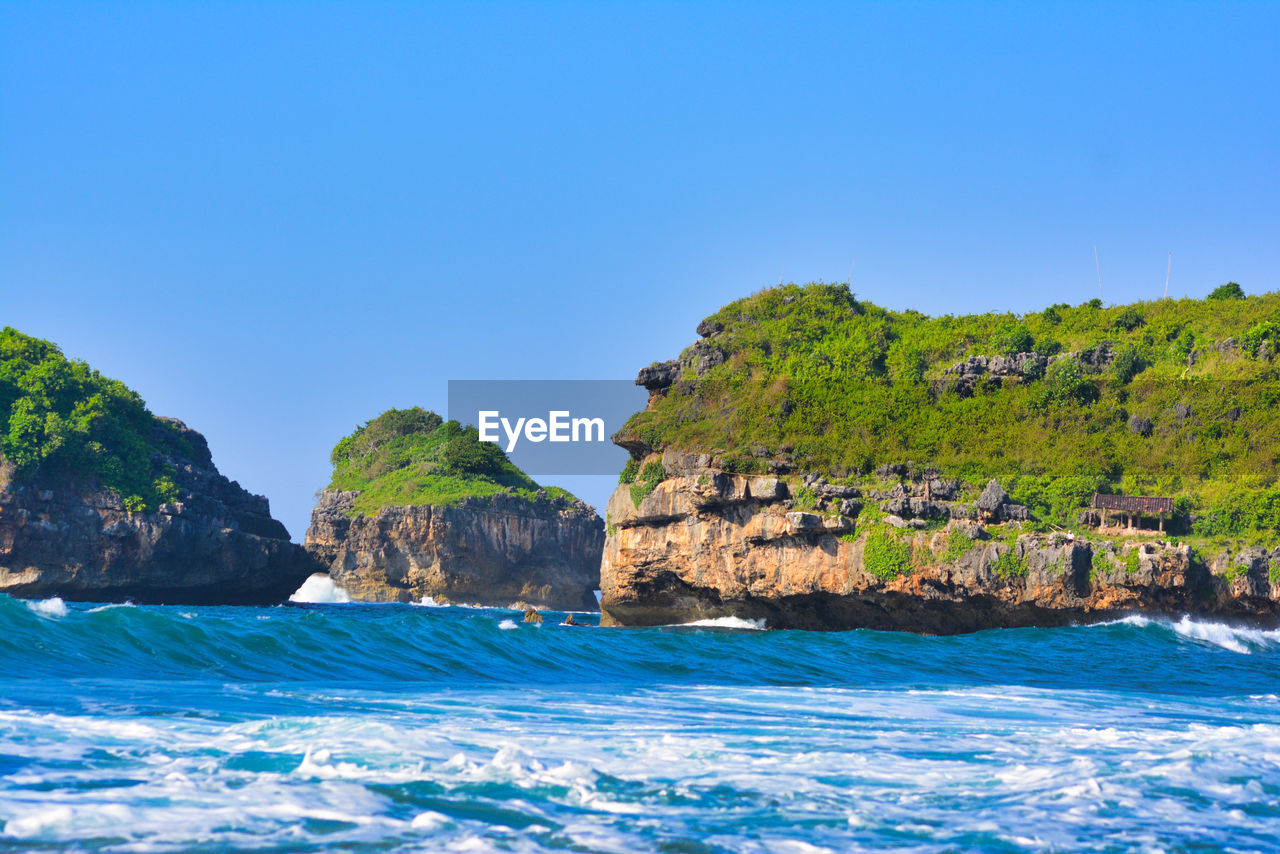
<point>111,606</point>
<point>319,589</point>
<point>1234,638</point>
<point>729,623</point>
<point>54,607</point>
<point>508,625</point>
<point>38,822</point>
<point>960,769</point>
<point>429,821</point>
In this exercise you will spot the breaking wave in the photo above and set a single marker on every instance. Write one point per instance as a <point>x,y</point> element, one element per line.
<point>319,589</point>
<point>401,728</point>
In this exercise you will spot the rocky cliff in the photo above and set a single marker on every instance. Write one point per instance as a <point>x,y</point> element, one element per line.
<point>705,543</point>
<point>490,551</point>
<point>68,536</point>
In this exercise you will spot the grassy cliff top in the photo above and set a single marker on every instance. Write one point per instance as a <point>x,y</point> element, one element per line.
<point>1175,397</point>
<point>61,417</point>
<point>407,457</point>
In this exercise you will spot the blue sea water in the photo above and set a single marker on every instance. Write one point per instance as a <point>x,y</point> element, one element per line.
<point>407,728</point>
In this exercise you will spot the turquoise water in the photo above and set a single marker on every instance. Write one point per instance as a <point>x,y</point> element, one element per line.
<point>409,728</point>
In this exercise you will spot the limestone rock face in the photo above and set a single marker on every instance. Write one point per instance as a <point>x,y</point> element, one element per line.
<point>496,552</point>
<point>217,545</point>
<point>708,544</point>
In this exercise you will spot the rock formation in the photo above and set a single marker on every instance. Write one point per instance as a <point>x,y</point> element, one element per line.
<point>494,551</point>
<point>216,545</point>
<point>706,543</point>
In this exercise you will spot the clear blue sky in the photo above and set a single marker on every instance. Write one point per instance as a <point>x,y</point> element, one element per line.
<point>275,221</point>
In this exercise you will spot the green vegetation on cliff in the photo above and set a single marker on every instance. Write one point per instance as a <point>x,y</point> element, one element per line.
<point>408,457</point>
<point>62,418</point>
<point>1174,397</point>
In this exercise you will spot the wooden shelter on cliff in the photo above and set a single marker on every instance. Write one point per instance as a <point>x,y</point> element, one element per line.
<point>1133,508</point>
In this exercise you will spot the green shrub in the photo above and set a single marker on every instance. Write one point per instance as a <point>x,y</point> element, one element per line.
<point>1235,572</point>
<point>464,454</point>
<point>1009,565</point>
<point>1101,563</point>
<point>59,416</point>
<point>1055,498</point>
<point>1183,344</point>
<point>1047,347</point>
<point>650,476</point>
<point>1065,383</point>
<point>805,498</point>
<point>1131,559</point>
<point>413,457</point>
<point>1265,332</point>
<point>885,556</point>
<point>1128,363</point>
<point>1234,511</point>
<point>1230,290</point>
<point>1129,319</point>
<point>958,542</point>
<point>629,472</point>
<point>1013,338</point>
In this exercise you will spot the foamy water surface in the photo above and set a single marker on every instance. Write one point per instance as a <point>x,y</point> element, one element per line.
<point>401,728</point>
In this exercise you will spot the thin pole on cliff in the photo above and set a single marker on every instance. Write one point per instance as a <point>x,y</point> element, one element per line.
<point>1167,272</point>
<point>1098,265</point>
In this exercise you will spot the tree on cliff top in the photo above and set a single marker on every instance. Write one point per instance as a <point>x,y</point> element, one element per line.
<point>839,387</point>
<point>412,456</point>
<point>61,417</point>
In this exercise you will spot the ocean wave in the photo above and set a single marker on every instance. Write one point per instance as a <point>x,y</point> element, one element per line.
<point>320,589</point>
<point>111,605</point>
<point>1239,639</point>
<point>430,602</point>
<point>54,607</point>
<point>393,644</point>
<point>750,769</point>
<point>726,623</point>
<point>1234,638</point>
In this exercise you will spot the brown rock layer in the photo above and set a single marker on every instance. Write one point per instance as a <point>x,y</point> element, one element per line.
<point>217,545</point>
<point>708,544</point>
<point>489,552</point>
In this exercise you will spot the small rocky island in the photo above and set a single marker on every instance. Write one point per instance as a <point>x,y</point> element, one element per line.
<point>419,507</point>
<point>767,481</point>
<point>102,501</point>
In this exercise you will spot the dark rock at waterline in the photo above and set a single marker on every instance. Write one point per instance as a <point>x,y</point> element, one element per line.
<point>216,545</point>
